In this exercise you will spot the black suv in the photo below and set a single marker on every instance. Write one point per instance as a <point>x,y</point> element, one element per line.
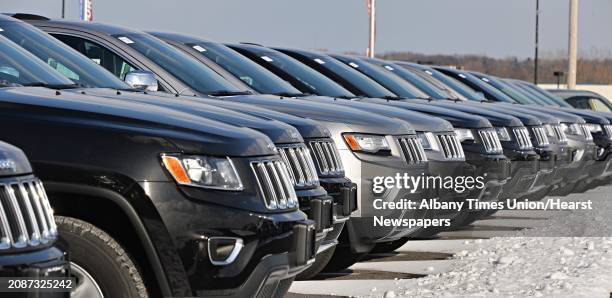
<point>28,232</point>
<point>153,201</point>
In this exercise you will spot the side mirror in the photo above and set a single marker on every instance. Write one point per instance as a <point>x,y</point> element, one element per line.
<point>142,79</point>
<point>481,95</point>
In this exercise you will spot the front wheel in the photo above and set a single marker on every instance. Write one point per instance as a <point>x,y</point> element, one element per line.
<point>102,268</point>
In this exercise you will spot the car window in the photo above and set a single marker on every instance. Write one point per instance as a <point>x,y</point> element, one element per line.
<point>98,54</point>
<point>579,103</point>
<point>598,105</point>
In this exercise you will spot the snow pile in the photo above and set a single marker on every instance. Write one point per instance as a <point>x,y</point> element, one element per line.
<point>532,266</point>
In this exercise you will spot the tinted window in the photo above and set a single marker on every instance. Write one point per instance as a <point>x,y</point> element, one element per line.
<point>253,74</point>
<point>599,105</point>
<point>19,67</point>
<point>188,70</point>
<point>312,81</point>
<point>62,58</point>
<point>100,55</point>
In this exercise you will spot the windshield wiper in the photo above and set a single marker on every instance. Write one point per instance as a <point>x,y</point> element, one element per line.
<point>52,86</point>
<point>228,93</point>
<point>289,94</point>
<point>345,97</point>
<point>392,97</point>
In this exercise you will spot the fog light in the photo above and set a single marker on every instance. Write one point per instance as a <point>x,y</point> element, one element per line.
<point>224,250</point>
<point>600,152</point>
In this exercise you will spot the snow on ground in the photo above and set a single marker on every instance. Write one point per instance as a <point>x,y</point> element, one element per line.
<point>534,262</point>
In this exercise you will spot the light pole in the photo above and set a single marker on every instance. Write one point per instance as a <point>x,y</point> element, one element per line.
<point>372,34</point>
<point>63,9</point>
<point>573,44</point>
<point>537,33</point>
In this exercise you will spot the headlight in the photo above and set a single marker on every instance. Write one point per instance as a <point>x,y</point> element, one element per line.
<point>203,171</point>
<point>572,129</point>
<point>367,143</point>
<point>594,127</point>
<point>464,134</point>
<point>502,134</point>
<point>549,130</point>
<point>428,140</point>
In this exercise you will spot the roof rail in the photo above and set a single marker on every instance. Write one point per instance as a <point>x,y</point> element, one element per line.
<point>27,16</point>
<point>251,43</point>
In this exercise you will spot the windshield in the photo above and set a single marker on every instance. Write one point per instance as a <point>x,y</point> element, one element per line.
<point>313,81</point>
<point>253,74</point>
<point>366,85</point>
<point>60,57</point>
<point>509,91</point>
<point>452,83</point>
<point>18,67</point>
<point>534,96</point>
<point>450,92</point>
<point>188,70</point>
<point>423,86</point>
<point>487,89</point>
<point>556,99</point>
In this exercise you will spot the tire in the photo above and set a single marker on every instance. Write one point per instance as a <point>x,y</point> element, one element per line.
<point>387,247</point>
<point>97,258</point>
<point>319,264</point>
<point>342,258</point>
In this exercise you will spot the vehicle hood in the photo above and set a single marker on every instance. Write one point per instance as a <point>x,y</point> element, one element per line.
<point>419,121</point>
<point>588,116</point>
<point>277,131</point>
<point>189,133</point>
<point>456,118</point>
<point>13,161</point>
<point>497,118</point>
<point>352,119</point>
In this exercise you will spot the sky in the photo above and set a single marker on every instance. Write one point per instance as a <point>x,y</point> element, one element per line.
<point>494,28</point>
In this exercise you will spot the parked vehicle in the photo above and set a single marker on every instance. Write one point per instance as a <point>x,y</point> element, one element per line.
<point>543,130</point>
<point>581,130</point>
<point>312,197</point>
<point>153,201</point>
<point>583,99</point>
<point>136,48</point>
<point>307,80</point>
<point>29,246</point>
<point>444,152</point>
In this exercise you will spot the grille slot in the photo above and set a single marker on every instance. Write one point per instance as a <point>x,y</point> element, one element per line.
<point>26,217</point>
<point>327,158</point>
<point>541,138</point>
<point>274,184</point>
<point>301,168</point>
<point>490,140</point>
<point>451,147</point>
<point>559,133</point>
<point>413,150</point>
<point>586,132</point>
<point>608,130</point>
<point>522,138</point>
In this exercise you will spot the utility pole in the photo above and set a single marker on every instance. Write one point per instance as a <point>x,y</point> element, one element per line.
<point>372,34</point>
<point>63,9</point>
<point>573,44</point>
<point>537,35</point>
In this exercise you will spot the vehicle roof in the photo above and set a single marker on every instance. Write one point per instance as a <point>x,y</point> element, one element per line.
<point>86,26</point>
<point>178,37</point>
<point>564,93</point>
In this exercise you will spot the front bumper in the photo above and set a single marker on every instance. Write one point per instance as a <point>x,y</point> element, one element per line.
<point>524,173</point>
<point>344,194</point>
<point>276,246</point>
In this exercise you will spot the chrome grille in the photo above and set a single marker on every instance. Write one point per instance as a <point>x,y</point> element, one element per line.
<point>300,165</point>
<point>490,140</point>
<point>451,147</point>
<point>274,184</point>
<point>539,133</point>
<point>413,150</point>
<point>559,133</point>
<point>608,130</point>
<point>586,132</point>
<point>327,158</point>
<point>26,217</point>
<point>522,138</point>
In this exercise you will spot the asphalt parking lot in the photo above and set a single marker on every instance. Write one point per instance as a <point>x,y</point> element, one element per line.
<point>382,275</point>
